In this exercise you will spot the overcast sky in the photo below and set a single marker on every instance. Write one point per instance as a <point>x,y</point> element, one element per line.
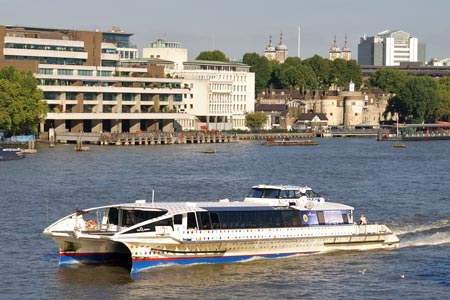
<point>240,26</point>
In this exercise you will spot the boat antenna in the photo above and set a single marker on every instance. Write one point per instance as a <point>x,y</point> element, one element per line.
<point>153,196</point>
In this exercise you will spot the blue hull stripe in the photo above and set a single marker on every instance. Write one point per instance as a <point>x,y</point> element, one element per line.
<point>139,265</point>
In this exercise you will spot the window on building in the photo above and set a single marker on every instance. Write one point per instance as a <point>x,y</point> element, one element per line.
<point>85,72</point>
<point>65,72</point>
<point>45,71</point>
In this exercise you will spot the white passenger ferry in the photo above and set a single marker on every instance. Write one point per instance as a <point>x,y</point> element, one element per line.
<point>272,221</point>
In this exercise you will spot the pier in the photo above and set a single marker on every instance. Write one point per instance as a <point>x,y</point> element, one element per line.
<point>415,132</point>
<point>146,138</point>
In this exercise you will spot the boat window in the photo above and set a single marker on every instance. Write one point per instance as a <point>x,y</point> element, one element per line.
<point>215,223</point>
<point>271,193</point>
<point>345,218</point>
<point>113,216</point>
<point>312,194</point>
<point>204,220</point>
<point>291,218</point>
<point>255,219</point>
<point>320,218</point>
<point>192,222</point>
<point>255,193</point>
<point>178,219</point>
<point>292,194</point>
<point>283,194</point>
<point>164,222</point>
<point>133,217</point>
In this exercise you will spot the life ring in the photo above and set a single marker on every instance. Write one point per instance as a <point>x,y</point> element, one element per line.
<point>91,225</point>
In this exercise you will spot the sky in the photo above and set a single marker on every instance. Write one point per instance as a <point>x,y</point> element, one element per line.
<point>237,27</point>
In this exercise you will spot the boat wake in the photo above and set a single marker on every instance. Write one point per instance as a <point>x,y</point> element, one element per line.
<point>415,234</point>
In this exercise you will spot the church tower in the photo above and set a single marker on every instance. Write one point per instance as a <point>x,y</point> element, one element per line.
<point>346,52</point>
<point>281,50</point>
<point>270,52</point>
<point>335,51</point>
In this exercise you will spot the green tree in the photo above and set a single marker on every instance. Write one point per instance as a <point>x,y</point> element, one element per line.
<point>275,68</point>
<point>255,120</point>
<point>443,107</point>
<point>297,76</point>
<point>354,73</point>
<point>338,72</point>
<point>388,80</point>
<point>416,100</point>
<point>261,67</point>
<point>21,107</point>
<point>322,69</point>
<point>215,55</point>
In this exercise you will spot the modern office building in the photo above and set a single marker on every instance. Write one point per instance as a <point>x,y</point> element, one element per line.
<point>390,48</point>
<point>90,87</point>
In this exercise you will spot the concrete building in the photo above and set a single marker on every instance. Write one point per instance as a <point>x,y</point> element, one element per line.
<point>390,48</point>
<point>278,53</point>
<point>171,51</point>
<point>89,87</point>
<point>121,39</point>
<point>228,92</point>
<point>222,91</point>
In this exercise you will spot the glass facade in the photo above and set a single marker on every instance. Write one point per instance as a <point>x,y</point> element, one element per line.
<point>43,47</point>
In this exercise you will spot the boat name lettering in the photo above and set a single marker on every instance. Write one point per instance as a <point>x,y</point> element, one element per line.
<point>141,229</point>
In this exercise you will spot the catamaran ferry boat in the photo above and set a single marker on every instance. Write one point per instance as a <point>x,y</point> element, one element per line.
<point>272,221</point>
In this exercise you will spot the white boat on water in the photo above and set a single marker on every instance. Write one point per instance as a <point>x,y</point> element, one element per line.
<point>272,221</point>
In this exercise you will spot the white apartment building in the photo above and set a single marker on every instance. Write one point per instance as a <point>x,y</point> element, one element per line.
<point>222,92</point>
<point>228,93</point>
<point>171,51</point>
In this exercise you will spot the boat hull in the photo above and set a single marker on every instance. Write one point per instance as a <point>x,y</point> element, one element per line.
<point>203,250</point>
<point>142,251</point>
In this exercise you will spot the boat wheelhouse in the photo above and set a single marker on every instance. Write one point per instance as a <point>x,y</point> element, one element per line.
<point>273,221</point>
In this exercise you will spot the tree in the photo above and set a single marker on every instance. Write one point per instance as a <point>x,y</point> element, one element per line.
<point>415,100</point>
<point>299,76</point>
<point>322,69</point>
<point>338,72</point>
<point>354,73</point>
<point>388,80</point>
<point>21,107</point>
<point>215,55</point>
<point>261,67</point>
<point>255,120</point>
<point>443,107</point>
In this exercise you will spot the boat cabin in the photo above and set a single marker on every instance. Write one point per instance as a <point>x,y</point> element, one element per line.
<point>213,215</point>
<point>282,195</point>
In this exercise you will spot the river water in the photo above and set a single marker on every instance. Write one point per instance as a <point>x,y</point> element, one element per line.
<point>406,188</point>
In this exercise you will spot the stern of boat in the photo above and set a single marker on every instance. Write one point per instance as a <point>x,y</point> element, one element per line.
<point>83,238</point>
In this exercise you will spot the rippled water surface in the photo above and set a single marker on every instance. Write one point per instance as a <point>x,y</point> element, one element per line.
<point>406,188</point>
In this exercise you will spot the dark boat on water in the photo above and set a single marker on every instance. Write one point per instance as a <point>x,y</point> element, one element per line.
<point>287,142</point>
<point>10,154</point>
